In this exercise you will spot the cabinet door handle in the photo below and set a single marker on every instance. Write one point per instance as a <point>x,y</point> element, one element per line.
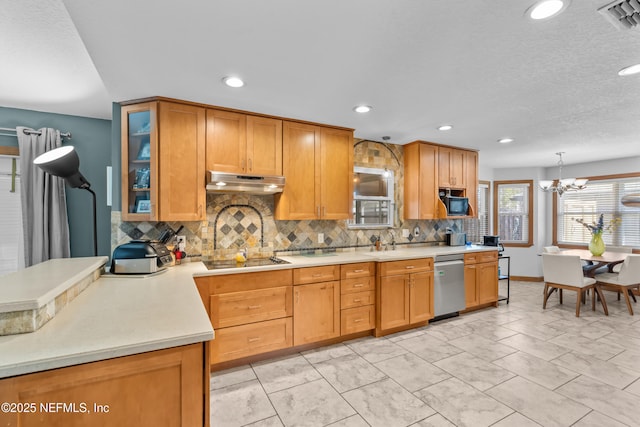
<point>318,209</point>
<point>250,164</point>
<point>323,288</point>
<point>409,267</point>
<point>324,211</point>
<point>316,275</point>
<point>254,307</point>
<point>357,300</point>
<point>358,285</point>
<point>297,297</point>
<point>200,210</point>
<point>357,320</point>
<point>358,271</point>
<point>242,164</point>
<point>254,339</point>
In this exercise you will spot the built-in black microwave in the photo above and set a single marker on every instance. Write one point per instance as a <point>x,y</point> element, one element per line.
<point>456,206</point>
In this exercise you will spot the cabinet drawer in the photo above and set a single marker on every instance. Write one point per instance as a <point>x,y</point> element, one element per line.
<point>238,308</point>
<point>244,281</point>
<point>361,269</point>
<point>247,340</point>
<point>405,266</point>
<point>306,275</point>
<point>477,257</point>
<point>357,285</point>
<point>357,299</point>
<point>357,319</point>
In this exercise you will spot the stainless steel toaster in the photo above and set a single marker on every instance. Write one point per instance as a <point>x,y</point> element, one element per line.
<point>140,257</point>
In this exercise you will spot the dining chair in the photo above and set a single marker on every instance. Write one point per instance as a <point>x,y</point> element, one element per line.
<point>615,268</point>
<point>625,281</point>
<point>564,272</point>
<point>551,249</point>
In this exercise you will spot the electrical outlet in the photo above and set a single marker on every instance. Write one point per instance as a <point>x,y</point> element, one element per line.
<point>416,231</point>
<point>181,241</point>
<point>320,237</point>
<point>405,232</point>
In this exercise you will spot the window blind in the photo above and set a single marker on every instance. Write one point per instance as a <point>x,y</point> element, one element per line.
<point>600,197</point>
<point>10,225</point>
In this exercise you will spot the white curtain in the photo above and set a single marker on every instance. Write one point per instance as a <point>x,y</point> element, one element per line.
<point>44,207</point>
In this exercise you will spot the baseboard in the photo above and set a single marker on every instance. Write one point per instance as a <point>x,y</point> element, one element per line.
<point>527,279</point>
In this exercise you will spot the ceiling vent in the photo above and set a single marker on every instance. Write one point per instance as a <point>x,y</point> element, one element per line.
<point>623,14</point>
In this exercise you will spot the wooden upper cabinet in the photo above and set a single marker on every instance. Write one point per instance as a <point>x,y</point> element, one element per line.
<point>163,168</point>
<point>471,181</point>
<point>420,181</point>
<point>317,163</point>
<point>241,143</point>
<point>181,132</point>
<point>451,168</point>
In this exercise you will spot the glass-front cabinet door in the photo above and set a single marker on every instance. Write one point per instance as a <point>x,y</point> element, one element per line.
<point>139,162</point>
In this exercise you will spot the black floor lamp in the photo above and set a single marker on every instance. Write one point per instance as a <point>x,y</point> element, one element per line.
<point>64,162</point>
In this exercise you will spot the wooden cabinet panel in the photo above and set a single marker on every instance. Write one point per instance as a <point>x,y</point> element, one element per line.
<point>421,297</point>
<point>357,285</point>
<point>336,174</point>
<point>323,273</point>
<point>487,282</point>
<point>316,312</point>
<point>360,269</point>
<point>451,170</point>
<point>357,319</point>
<point>477,257</point>
<point>317,163</point>
<point>405,266</point>
<point>245,281</point>
<point>238,308</point>
<point>255,338</point>
<point>357,299</point>
<point>470,288</point>
<point>301,194</point>
<point>394,302</point>
<point>226,141</point>
<point>158,388</point>
<point>420,181</point>
<point>264,145</point>
<point>181,132</point>
<point>471,181</point>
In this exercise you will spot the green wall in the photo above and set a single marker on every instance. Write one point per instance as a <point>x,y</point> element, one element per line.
<point>92,138</point>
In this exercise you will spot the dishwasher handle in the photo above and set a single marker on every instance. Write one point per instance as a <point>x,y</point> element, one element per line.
<point>447,263</point>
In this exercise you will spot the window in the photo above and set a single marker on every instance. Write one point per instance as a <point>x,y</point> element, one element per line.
<point>476,228</point>
<point>602,196</point>
<point>513,212</point>
<point>11,258</point>
<point>373,203</point>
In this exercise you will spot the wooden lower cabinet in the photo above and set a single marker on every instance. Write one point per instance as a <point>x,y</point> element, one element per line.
<point>316,312</point>
<point>159,388</point>
<point>251,313</point>
<point>405,294</point>
<point>357,297</point>
<point>481,279</point>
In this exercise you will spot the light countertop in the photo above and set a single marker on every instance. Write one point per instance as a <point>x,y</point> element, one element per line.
<point>114,317</point>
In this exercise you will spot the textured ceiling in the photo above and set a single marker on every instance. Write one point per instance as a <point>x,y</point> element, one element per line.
<point>480,65</point>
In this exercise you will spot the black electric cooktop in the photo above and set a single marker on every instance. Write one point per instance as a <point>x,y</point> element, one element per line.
<point>253,262</point>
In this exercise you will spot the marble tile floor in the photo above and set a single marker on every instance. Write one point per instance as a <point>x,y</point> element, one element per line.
<point>515,365</point>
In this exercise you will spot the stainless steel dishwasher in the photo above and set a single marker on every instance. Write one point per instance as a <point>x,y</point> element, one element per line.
<point>448,286</point>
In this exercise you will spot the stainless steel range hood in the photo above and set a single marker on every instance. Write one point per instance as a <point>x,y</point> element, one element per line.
<point>223,182</point>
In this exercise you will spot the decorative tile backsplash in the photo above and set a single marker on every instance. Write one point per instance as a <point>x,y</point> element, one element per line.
<point>237,221</point>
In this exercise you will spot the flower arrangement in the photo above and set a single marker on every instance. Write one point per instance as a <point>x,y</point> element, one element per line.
<point>596,228</point>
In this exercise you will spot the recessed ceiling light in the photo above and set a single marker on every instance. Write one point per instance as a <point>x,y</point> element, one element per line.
<point>233,81</point>
<point>445,127</point>
<point>362,108</point>
<point>546,9</point>
<point>631,69</point>
<point>505,140</point>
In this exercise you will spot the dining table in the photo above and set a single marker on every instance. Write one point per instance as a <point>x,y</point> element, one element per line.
<point>608,259</point>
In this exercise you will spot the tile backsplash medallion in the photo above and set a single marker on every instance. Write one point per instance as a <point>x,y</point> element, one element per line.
<point>237,221</point>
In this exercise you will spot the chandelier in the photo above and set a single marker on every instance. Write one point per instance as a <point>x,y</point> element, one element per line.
<point>563,185</point>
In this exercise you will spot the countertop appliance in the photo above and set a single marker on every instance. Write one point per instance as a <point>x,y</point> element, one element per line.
<point>448,286</point>
<point>140,257</point>
<point>493,241</point>
<point>456,239</point>
<point>456,206</point>
<point>253,262</point>
<point>223,182</point>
